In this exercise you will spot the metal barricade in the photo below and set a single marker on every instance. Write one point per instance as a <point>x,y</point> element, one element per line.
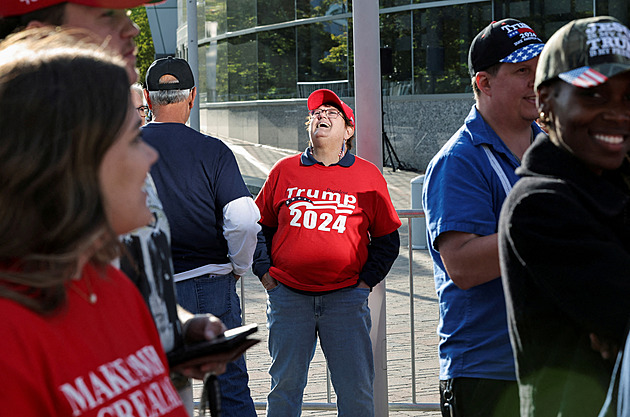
<point>413,405</point>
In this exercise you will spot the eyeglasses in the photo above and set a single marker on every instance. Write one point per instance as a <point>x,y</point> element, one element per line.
<point>142,110</point>
<point>332,113</point>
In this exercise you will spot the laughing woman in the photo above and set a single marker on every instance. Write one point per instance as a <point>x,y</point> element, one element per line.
<point>331,233</point>
<point>564,231</point>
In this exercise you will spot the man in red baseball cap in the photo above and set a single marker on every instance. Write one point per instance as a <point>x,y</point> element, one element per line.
<point>107,19</point>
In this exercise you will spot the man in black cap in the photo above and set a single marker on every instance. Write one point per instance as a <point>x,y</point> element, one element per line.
<point>465,186</point>
<point>213,218</point>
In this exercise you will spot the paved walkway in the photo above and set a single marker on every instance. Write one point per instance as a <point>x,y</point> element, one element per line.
<point>255,162</point>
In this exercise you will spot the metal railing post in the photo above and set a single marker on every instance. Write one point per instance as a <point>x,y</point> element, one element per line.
<point>412,331</point>
<point>380,347</point>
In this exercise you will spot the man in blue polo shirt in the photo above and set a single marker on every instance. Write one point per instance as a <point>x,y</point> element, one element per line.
<point>213,218</point>
<point>465,186</point>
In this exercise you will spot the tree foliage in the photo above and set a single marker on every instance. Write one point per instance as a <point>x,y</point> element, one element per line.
<point>337,55</point>
<point>144,41</point>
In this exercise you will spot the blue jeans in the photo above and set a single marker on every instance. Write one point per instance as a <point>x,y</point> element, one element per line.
<point>217,295</point>
<point>342,321</point>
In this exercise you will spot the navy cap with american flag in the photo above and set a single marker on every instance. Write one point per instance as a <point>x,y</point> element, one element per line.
<point>506,41</point>
<point>585,52</point>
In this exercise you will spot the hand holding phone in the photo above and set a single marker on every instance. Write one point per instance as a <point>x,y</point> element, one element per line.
<point>223,349</point>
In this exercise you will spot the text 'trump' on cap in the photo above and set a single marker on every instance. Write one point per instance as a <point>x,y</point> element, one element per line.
<point>176,67</point>
<point>585,52</point>
<point>322,96</point>
<point>507,40</point>
<point>19,7</point>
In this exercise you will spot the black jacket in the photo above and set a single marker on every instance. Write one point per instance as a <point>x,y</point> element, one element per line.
<point>564,243</point>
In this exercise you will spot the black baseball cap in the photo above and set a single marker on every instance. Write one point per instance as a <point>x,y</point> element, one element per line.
<point>176,67</point>
<point>585,52</point>
<point>508,40</point>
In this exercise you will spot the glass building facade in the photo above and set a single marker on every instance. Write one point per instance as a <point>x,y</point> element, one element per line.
<point>277,49</point>
<point>255,50</point>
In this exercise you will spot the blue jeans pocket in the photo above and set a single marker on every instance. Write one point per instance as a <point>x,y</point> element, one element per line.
<point>215,295</point>
<point>274,289</point>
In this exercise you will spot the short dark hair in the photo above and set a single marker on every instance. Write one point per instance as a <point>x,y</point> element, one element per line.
<point>492,70</point>
<point>554,85</point>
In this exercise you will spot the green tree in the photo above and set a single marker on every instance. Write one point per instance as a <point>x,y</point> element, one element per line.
<point>337,56</point>
<point>144,41</point>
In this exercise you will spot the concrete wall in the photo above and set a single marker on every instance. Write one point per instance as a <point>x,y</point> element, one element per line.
<point>417,126</point>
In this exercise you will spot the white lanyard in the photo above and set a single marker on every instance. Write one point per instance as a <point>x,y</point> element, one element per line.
<point>507,186</point>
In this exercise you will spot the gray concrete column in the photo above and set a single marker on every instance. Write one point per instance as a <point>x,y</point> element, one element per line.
<point>367,93</point>
<point>193,57</point>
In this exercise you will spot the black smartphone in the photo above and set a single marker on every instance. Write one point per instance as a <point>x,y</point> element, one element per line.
<point>230,340</point>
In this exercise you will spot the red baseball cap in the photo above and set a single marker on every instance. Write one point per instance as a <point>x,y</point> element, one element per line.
<point>322,96</point>
<point>19,7</point>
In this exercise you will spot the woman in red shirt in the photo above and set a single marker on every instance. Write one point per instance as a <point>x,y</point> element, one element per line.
<point>76,336</point>
<point>329,234</point>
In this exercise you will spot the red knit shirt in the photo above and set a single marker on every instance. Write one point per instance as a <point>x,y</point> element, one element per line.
<point>325,217</point>
<point>102,359</point>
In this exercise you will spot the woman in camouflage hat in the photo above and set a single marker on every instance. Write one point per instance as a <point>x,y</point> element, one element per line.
<point>564,232</point>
